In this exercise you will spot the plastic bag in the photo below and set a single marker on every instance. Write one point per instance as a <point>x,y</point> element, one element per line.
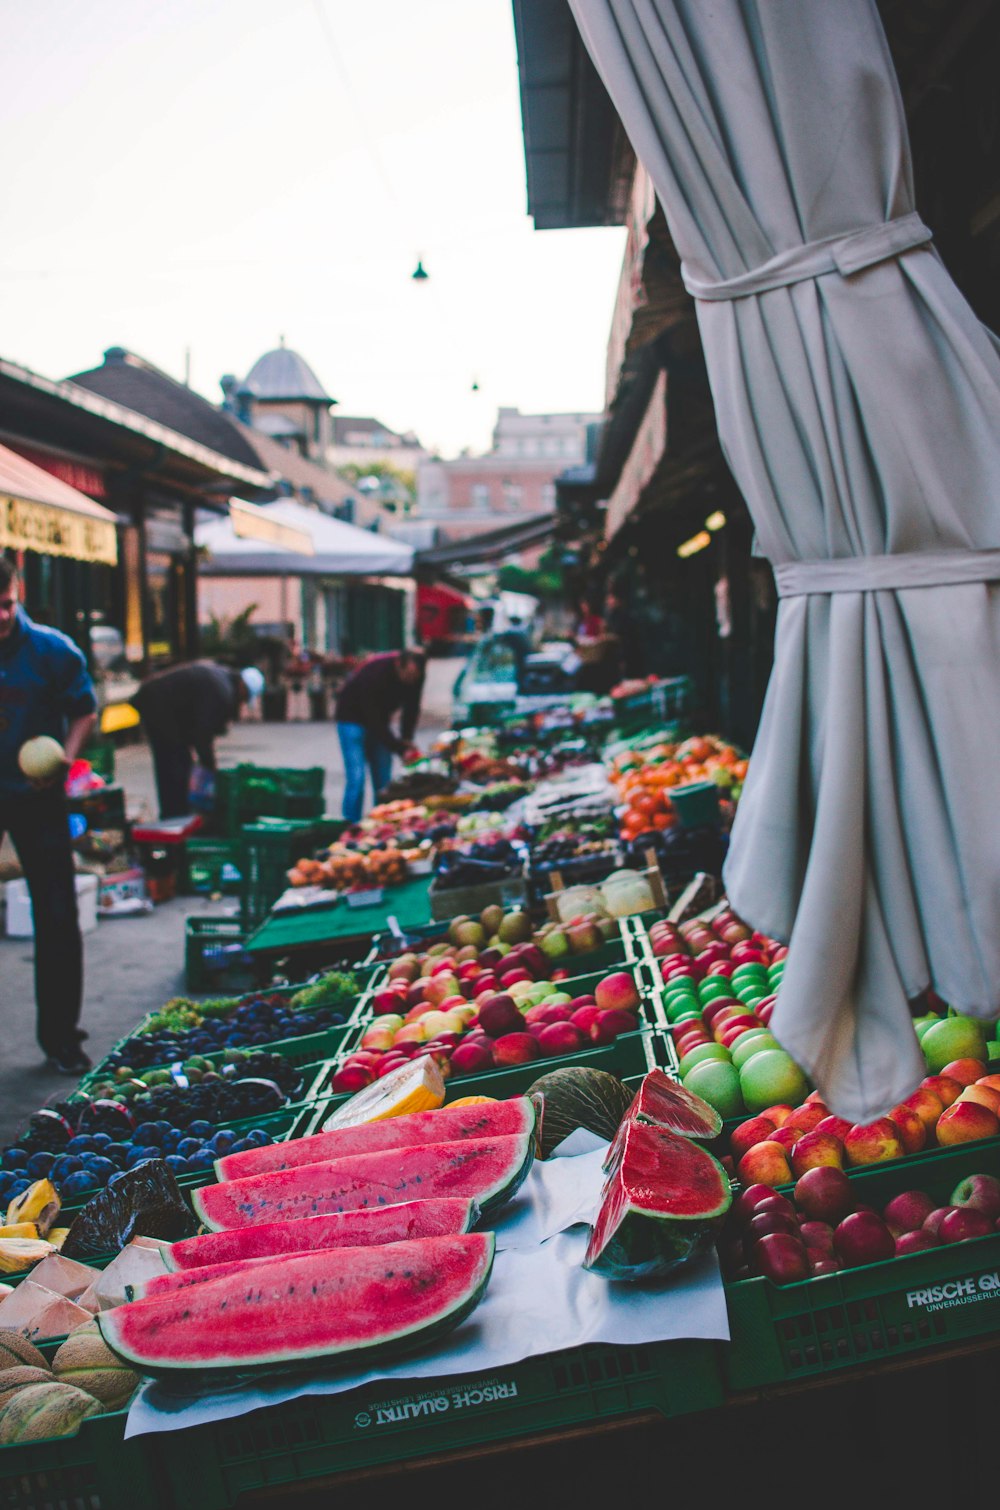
<point>202,791</point>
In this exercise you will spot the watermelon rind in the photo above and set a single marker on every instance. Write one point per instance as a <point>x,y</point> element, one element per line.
<point>341,1305</point>
<point>662,1204</point>
<point>341,1229</point>
<point>575,1096</point>
<point>487,1170</point>
<point>440,1125</point>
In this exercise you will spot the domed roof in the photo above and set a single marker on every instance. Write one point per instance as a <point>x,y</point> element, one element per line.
<point>283,374</point>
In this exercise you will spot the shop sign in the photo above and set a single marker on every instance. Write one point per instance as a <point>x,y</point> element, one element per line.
<point>53,531</point>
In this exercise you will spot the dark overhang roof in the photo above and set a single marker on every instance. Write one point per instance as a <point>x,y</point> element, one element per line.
<point>489,545</point>
<point>577,158</point>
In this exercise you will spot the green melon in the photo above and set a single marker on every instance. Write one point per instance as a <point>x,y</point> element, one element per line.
<point>577,1096</point>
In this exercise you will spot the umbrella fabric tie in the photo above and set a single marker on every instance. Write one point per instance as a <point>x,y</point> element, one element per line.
<point>796,579</point>
<point>833,254</point>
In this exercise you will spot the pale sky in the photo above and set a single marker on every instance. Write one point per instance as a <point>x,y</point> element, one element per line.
<point>206,176</point>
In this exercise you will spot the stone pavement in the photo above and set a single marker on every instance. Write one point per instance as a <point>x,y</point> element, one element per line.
<point>134,964</point>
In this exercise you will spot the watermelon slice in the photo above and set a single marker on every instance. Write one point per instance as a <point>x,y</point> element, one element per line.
<point>344,1229</point>
<point>338,1303</point>
<point>661,1204</point>
<point>665,1103</point>
<point>576,1095</point>
<point>441,1125</point>
<point>486,1170</point>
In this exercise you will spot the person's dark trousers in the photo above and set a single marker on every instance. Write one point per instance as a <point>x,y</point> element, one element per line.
<point>38,825</point>
<point>173,764</point>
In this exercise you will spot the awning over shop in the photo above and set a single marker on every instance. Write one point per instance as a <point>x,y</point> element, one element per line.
<point>491,544</point>
<point>252,523</point>
<point>337,549</point>
<point>39,512</point>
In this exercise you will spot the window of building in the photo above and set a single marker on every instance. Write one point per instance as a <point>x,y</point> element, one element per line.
<point>480,495</point>
<point>513,495</point>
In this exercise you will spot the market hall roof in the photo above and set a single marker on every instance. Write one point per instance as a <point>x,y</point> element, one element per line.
<point>85,423</point>
<point>130,380</point>
<point>282,375</point>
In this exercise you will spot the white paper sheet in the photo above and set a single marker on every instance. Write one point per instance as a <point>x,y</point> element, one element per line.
<point>539,1300</point>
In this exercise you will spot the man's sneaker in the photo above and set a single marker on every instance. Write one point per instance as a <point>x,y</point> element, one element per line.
<point>73,1062</point>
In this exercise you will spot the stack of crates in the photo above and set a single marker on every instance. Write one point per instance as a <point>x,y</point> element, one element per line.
<point>246,793</point>
<point>268,850</point>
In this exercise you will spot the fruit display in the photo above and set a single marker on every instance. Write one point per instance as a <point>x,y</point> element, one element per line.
<point>515,1116</point>
<point>487,1170</point>
<point>402,1221</point>
<point>959,1105</point>
<point>255,1020</point>
<point>345,869</point>
<point>474,863</point>
<point>643,778</point>
<point>823,1224</point>
<point>486,998</point>
<point>344,1303</point>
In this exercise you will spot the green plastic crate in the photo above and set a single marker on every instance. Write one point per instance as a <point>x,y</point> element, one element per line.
<point>215,962</point>
<point>247,792</point>
<point>268,850</point>
<point>316,1436</point>
<point>877,1312</point>
<point>95,1470</point>
<point>205,866</point>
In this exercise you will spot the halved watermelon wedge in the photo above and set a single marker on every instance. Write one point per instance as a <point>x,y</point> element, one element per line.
<point>661,1204</point>
<point>444,1124</point>
<point>343,1229</point>
<point>664,1102</point>
<point>486,1170</point>
<point>338,1303</point>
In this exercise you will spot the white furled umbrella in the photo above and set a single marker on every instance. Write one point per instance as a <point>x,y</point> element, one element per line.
<point>858,404</point>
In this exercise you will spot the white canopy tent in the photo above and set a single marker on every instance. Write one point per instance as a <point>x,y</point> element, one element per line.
<point>338,549</point>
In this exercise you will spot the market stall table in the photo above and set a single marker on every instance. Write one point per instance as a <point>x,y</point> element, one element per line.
<point>338,926</point>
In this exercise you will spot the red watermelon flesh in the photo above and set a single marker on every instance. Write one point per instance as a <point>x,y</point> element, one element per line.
<point>338,1302</point>
<point>665,1103</point>
<point>445,1124</point>
<point>342,1229</point>
<point>661,1204</point>
<point>486,1170</point>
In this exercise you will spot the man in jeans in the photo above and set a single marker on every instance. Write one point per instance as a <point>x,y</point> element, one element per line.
<point>381,686</point>
<point>45,688</point>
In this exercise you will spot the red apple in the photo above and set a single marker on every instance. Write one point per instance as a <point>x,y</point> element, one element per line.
<point>756,1130</point>
<point>781,1258</point>
<point>932,1222</point>
<point>765,1164</point>
<point>979,1190</point>
<point>912,1132</point>
<point>966,1122</point>
<point>763,1222</point>
<point>806,1117</point>
<point>907,1211</point>
<point>818,1235</point>
<point>915,1242</point>
<point>863,1238</point>
<point>814,1149</point>
<point>838,1126</point>
<point>965,1071</point>
<point>963,1222</point>
<point>927,1104</point>
<point>748,1200</point>
<point>873,1143</point>
<point>942,1085</point>
<point>824,1194</point>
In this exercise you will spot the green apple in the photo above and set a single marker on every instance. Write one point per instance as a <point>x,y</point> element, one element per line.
<point>718,1083</point>
<point>772,1078</point>
<point>713,986</point>
<point>921,1024</point>
<point>752,1043</point>
<point>702,1051</point>
<point>750,971</point>
<point>683,1010</point>
<point>953,1038</point>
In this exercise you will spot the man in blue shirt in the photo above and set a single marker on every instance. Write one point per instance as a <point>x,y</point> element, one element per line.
<point>45,688</point>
